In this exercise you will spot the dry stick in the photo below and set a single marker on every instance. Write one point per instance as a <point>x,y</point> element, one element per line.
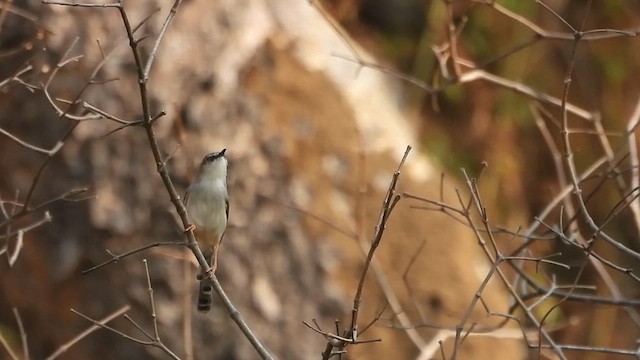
<point>577,297</point>
<point>386,70</point>
<point>582,247</point>
<point>613,166</point>
<point>620,206</point>
<point>604,350</point>
<point>351,335</point>
<point>18,244</point>
<point>374,320</point>
<point>128,337</point>
<point>496,261</point>
<point>28,146</point>
<point>464,213</point>
<point>474,75</point>
<point>36,179</point>
<point>407,284</point>
<point>23,334</point>
<point>147,122</point>
<point>117,4</point>
<point>599,265</point>
<point>104,114</point>
<point>115,258</point>
<point>562,194</point>
<point>539,220</point>
<point>392,298</point>
<point>64,61</point>
<point>396,306</point>
<point>458,216</point>
<point>61,114</point>
<point>443,53</point>
<point>632,123</point>
<point>187,301</point>
<point>427,349</point>
<point>13,256</point>
<point>45,219</point>
<point>175,199</point>
<point>141,329</point>
<point>453,42</point>
<point>70,195</point>
<point>379,273</point>
<point>563,103</point>
<point>358,58</point>
<point>3,209</point>
<point>572,288</point>
<point>481,210</point>
<point>516,48</point>
<point>154,317</point>
<point>598,34</point>
<point>336,28</point>
<point>594,299</point>
<point>16,76</point>
<point>142,72</point>
<point>570,164</point>
<point>390,200</point>
<point>5,345</point>
<point>477,74</point>
<point>25,207</point>
<point>468,312</point>
<point>525,90</point>
<point>97,325</point>
<point>152,303</point>
<point>154,339</point>
<point>486,330</point>
<point>568,205</point>
<point>557,160</point>
<point>606,147</point>
<point>23,337</point>
<point>568,156</point>
<point>609,282</point>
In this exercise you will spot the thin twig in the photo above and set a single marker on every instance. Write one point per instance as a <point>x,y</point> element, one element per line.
<point>97,325</point>
<point>116,258</point>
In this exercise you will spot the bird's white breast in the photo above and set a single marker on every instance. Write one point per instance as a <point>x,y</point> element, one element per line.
<point>206,204</point>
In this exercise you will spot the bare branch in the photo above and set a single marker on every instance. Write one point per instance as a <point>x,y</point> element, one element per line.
<point>97,325</point>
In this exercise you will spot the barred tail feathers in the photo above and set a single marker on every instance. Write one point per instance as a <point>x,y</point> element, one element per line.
<point>204,296</point>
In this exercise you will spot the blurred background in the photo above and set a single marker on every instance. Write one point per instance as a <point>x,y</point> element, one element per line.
<point>313,140</point>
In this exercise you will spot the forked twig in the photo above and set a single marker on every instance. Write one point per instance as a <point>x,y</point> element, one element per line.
<point>97,324</point>
<point>142,71</point>
<point>336,344</point>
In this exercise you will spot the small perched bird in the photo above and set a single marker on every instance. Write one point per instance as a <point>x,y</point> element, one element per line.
<point>207,203</point>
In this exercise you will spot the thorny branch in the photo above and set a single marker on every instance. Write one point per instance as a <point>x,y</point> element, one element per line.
<point>143,69</point>
<point>337,344</point>
<point>153,340</point>
<point>528,289</point>
<point>571,200</point>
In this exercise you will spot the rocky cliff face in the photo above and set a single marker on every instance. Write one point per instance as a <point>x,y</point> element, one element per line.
<point>313,142</point>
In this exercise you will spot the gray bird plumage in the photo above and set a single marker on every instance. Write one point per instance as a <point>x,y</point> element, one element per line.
<point>207,203</point>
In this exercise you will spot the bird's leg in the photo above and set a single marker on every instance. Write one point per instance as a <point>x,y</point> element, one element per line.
<point>190,227</point>
<point>214,263</point>
<point>208,254</point>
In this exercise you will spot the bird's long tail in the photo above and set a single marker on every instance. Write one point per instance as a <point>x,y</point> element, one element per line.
<point>204,296</point>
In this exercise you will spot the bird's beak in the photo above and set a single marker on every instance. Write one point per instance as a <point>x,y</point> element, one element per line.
<point>223,151</point>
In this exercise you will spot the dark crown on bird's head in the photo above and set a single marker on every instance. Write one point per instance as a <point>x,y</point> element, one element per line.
<point>209,158</point>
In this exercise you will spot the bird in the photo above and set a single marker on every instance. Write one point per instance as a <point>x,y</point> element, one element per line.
<point>207,204</point>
